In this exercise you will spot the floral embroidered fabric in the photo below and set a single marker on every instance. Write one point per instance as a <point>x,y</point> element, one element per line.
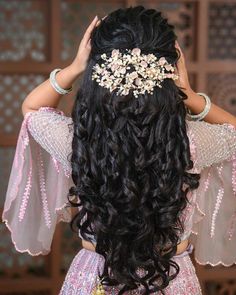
<point>84,269</point>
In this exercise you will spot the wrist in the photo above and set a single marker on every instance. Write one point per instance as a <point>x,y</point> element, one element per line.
<point>75,69</point>
<point>191,95</point>
<point>200,106</point>
<point>64,79</point>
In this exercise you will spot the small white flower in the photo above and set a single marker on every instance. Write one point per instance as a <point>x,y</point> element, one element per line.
<point>137,81</point>
<point>162,61</point>
<point>136,51</point>
<point>115,52</point>
<point>122,70</point>
<point>168,67</point>
<point>133,75</point>
<point>144,64</point>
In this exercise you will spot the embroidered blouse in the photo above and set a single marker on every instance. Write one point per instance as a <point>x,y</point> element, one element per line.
<point>36,198</point>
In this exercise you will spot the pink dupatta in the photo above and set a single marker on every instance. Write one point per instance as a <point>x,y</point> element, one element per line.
<point>36,197</point>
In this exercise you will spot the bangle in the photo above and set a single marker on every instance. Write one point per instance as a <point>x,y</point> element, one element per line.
<point>206,110</point>
<point>55,85</point>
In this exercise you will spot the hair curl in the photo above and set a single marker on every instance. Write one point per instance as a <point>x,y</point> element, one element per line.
<point>129,159</point>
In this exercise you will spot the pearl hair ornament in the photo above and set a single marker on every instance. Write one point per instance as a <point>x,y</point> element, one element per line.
<point>115,73</point>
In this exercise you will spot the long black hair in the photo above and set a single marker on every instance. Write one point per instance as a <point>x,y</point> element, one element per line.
<point>129,159</point>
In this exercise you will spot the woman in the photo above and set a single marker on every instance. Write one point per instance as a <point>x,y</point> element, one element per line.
<point>150,179</point>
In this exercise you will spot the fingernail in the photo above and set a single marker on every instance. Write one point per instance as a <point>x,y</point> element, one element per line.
<point>98,23</point>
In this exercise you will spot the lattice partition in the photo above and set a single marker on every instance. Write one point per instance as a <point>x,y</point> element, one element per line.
<point>37,36</point>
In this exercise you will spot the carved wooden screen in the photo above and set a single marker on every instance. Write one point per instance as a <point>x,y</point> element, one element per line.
<point>37,36</point>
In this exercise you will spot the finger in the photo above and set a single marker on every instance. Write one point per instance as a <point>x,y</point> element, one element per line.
<point>176,69</point>
<point>98,23</point>
<point>181,59</point>
<point>88,46</point>
<point>89,30</point>
<point>91,26</point>
<point>178,61</point>
<point>181,51</point>
<point>177,44</point>
<point>178,47</point>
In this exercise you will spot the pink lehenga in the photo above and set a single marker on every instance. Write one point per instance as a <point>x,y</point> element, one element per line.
<point>40,178</point>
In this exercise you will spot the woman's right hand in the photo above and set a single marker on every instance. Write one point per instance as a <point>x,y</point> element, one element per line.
<point>181,71</point>
<point>82,56</point>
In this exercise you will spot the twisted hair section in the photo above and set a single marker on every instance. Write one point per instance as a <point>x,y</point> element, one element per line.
<point>130,157</point>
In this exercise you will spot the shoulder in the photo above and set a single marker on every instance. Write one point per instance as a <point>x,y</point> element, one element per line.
<point>207,132</point>
<point>50,113</point>
<point>203,125</point>
<point>53,131</point>
<point>49,119</point>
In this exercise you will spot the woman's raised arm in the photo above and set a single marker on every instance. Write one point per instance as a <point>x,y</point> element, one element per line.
<point>44,95</point>
<point>195,102</point>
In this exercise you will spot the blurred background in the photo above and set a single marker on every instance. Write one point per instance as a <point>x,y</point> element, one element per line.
<point>37,36</point>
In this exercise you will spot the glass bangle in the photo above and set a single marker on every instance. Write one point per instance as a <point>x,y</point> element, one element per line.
<point>206,110</point>
<point>55,85</point>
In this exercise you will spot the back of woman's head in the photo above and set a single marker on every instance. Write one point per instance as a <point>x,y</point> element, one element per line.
<point>130,156</point>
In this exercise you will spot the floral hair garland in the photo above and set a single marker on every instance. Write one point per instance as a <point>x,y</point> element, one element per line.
<point>132,71</point>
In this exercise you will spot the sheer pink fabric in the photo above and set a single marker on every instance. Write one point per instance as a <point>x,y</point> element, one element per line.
<point>214,220</point>
<point>40,178</point>
<point>36,197</point>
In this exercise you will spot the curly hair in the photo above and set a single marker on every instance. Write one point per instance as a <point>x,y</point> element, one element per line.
<point>130,158</point>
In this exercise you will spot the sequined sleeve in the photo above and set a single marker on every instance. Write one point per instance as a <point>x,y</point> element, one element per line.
<point>214,142</point>
<point>53,131</point>
<point>40,178</point>
<point>213,223</point>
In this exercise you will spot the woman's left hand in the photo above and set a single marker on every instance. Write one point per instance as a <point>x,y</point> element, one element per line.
<point>79,64</point>
<point>181,71</point>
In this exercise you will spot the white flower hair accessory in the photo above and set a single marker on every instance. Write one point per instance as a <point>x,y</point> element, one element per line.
<point>132,71</point>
